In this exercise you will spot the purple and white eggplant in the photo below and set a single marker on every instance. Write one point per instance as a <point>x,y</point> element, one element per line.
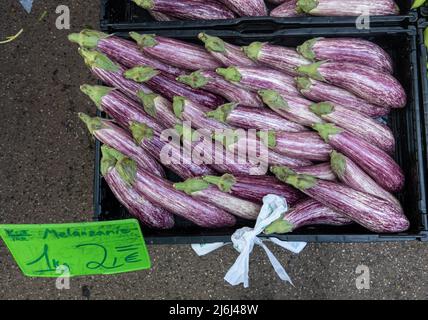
<point>255,79</point>
<point>360,125</point>
<point>117,138</point>
<point>292,108</point>
<point>212,82</point>
<point>276,57</point>
<point>205,149</point>
<point>206,192</point>
<point>373,213</point>
<point>352,50</point>
<point>320,91</point>
<point>111,73</point>
<point>187,110</point>
<point>374,161</point>
<point>247,8</point>
<point>256,150</point>
<point>145,211</point>
<point>175,52</point>
<point>300,145</point>
<point>159,108</point>
<point>287,9</point>
<point>352,8</point>
<point>168,87</point>
<point>376,87</point>
<point>119,107</point>
<point>321,171</point>
<point>169,153</point>
<point>162,193</point>
<point>228,54</point>
<point>253,118</point>
<point>353,176</point>
<point>123,51</point>
<point>254,188</point>
<point>188,9</point>
<point>307,213</point>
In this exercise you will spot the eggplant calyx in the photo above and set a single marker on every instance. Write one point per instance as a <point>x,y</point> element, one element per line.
<point>253,50</point>
<point>312,70</point>
<point>279,226</point>
<point>191,186</point>
<point>214,44</point>
<point>222,112</point>
<point>224,183</point>
<point>141,74</point>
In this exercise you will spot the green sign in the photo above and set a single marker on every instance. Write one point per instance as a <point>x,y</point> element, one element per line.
<point>77,249</point>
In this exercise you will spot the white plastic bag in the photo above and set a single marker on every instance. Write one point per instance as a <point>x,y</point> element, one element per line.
<point>27,4</point>
<point>244,240</point>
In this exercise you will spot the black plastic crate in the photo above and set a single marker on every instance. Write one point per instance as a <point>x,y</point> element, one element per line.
<point>407,125</point>
<point>423,59</point>
<point>117,15</point>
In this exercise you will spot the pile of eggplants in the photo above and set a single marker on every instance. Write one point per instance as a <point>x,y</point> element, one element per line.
<point>166,10</point>
<point>308,117</point>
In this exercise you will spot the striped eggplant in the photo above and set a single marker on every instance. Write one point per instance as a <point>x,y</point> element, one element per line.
<point>352,175</point>
<point>260,79</point>
<point>374,161</point>
<point>168,87</point>
<point>256,149</point>
<point>158,16</point>
<point>175,52</point>
<point>119,107</point>
<point>292,108</point>
<point>159,108</point>
<point>161,192</point>
<point>123,51</point>
<point>276,57</point>
<point>320,91</point>
<point>376,87</point>
<point>188,9</point>
<point>353,50</point>
<point>352,8</point>
<point>287,9</point>
<point>228,54</point>
<point>117,138</point>
<point>277,1</point>
<point>307,212</point>
<point>247,8</point>
<point>254,188</point>
<point>205,149</point>
<point>187,110</point>
<point>360,125</point>
<point>169,153</point>
<point>253,118</point>
<point>111,73</point>
<point>321,171</point>
<point>145,211</point>
<point>204,191</point>
<point>300,145</point>
<point>212,82</point>
<point>371,212</point>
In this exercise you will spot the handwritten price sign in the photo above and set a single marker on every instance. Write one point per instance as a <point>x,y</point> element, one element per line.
<point>77,248</point>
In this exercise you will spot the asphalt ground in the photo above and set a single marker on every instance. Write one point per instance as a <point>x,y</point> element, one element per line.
<point>46,176</point>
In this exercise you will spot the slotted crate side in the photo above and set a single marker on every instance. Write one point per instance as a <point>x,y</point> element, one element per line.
<point>124,14</point>
<point>407,125</point>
